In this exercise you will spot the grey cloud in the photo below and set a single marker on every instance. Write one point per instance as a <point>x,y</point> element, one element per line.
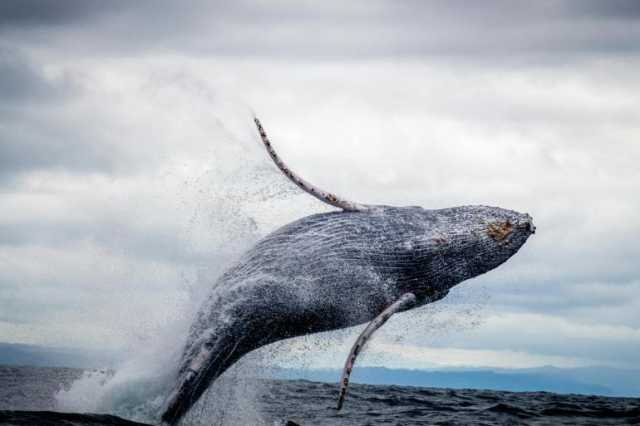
<point>21,80</point>
<point>625,9</point>
<point>57,122</point>
<point>488,31</point>
<point>527,337</point>
<point>152,244</point>
<point>42,143</point>
<point>15,13</point>
<point>557,141</point>
<point>621,351</point>
<point>34,134</point>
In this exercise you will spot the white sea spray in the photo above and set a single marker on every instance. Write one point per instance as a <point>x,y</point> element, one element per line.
<point>218,204</point>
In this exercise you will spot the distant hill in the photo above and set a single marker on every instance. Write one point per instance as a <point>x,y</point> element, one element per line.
<point>40,356</point>
<point>623,382</point>
<point>587,381</point>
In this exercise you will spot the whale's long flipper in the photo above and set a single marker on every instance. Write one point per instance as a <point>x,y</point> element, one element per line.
<point>405,301</point>
<point>320,194</point>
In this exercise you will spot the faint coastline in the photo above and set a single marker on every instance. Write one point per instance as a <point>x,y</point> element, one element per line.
<point>605,381</point>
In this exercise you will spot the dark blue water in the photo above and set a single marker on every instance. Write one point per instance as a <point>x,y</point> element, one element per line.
<point>310,403</point>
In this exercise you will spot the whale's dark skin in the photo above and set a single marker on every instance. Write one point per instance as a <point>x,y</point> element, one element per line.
<point>336,270</point>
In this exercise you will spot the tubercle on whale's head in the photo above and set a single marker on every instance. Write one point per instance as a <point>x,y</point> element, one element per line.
<point>455,244</point>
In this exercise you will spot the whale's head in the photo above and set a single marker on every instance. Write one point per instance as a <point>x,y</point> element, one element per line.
<point>425,251</point>
<point>448,246</point>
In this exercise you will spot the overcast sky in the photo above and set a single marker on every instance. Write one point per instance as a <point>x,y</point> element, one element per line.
<point>131,174</point>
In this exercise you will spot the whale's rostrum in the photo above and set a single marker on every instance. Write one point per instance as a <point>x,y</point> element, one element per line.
<point>334,270</point>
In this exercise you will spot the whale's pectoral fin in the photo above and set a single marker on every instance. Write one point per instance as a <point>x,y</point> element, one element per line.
<point>403,302</point>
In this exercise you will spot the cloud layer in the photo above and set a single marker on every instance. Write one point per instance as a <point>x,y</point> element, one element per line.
<point>130,172</point>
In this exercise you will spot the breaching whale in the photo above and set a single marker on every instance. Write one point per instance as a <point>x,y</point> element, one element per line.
<point>334,270</point>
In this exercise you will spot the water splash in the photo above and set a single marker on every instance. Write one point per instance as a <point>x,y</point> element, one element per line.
<point>218,195</point>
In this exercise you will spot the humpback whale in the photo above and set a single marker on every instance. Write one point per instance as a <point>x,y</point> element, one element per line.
<point>333,270</point>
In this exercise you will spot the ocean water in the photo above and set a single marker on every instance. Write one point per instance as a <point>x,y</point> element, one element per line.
<point>277,402</point>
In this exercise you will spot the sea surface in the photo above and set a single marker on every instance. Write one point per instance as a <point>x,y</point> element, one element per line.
<point>27,397</point>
